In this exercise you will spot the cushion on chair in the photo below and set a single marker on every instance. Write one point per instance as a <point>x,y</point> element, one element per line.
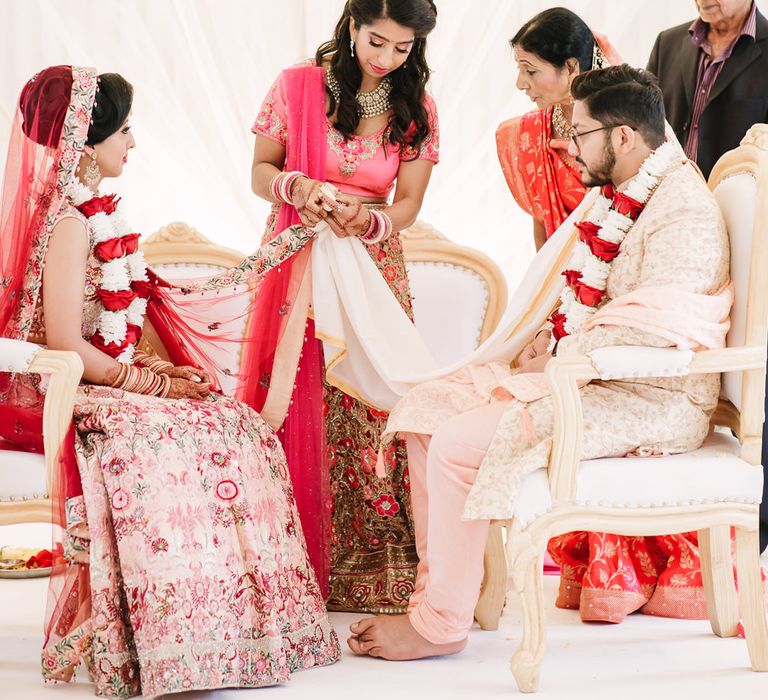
<point>713,473</point>
<point>737,197</point>
<point>449,305</point>
<point>16,355</point>
<point>22,476</point>
<point>623,361</point>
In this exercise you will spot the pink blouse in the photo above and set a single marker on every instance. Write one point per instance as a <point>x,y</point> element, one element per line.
<point>361,165</point>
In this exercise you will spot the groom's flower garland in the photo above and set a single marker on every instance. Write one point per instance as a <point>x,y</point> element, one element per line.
<point>124,286</point>
<point>601,234</point>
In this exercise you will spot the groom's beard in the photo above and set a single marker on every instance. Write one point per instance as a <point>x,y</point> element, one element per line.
<point>601,173</point>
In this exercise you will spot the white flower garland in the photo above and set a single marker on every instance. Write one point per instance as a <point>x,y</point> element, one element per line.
<point>613,228</point>
<point>116,275</point>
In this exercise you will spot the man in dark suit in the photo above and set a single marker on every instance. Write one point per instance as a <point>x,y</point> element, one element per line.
<point>714,76</point>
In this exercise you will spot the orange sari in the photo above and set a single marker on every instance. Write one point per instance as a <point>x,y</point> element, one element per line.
<point>538,170</point>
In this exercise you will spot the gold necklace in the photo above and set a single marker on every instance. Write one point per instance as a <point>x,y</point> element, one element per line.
<point>369,104</point>
<point>560,125</point>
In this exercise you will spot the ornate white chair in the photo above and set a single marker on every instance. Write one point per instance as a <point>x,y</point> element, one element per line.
<point>458,292</point>
<point>711,489</point>
<point>25,478</point>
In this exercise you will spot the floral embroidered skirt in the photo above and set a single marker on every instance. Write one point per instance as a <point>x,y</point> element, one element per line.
<point>373,552</point>
<point>198,569</point>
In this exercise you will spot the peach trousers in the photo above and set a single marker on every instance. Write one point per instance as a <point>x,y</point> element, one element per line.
<point>450,571</point>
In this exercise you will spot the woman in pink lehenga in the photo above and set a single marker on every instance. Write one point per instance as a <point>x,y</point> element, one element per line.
<point>184,564</point>
<point>341,167</point>
<point>605,576</point>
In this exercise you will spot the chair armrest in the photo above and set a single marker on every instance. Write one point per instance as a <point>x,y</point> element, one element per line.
<point>16,355</point>
<point>65,368</point>
<point>632,361</point>
<point>564,373</point>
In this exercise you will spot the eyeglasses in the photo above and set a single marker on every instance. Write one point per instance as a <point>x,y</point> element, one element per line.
<point>574,135</point>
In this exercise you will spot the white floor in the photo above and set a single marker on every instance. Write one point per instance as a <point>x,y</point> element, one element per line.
<point>642,658</point>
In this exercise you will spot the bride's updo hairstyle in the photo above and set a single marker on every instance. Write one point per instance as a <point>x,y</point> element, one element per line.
<point>114,99</point>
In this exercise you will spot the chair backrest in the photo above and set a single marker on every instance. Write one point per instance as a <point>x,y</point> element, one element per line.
<point>459,294</point>
<point>739,181</point>
<point>178,251</point>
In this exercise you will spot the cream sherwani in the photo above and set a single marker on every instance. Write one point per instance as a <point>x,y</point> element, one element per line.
<point>480,447</point>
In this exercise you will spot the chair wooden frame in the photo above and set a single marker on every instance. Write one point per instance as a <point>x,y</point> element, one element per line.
<point>424,243</point>
<point>526,544</point>
<point>65,369</point>
<point>178,242</point>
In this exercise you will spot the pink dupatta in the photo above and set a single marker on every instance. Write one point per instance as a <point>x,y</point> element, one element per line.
<point>283,374</point>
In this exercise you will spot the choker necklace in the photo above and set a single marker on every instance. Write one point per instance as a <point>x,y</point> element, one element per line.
<point>369,104</point>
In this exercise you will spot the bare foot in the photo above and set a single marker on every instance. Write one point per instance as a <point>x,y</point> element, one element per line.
<point>392,637</point>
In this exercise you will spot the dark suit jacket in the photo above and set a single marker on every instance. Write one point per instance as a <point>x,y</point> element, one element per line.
<point>739,97</point>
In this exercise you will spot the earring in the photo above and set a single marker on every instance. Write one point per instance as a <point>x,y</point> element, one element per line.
<point>92,172</point>
<point>352,47</point>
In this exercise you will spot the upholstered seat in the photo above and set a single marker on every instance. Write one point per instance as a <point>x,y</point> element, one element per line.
<point>712,474</point>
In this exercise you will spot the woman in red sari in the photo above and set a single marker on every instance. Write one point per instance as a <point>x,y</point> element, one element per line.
<point>603,575</point>
<point>551,49</point>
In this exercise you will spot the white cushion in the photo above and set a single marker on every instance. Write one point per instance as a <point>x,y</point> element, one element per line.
<point>713,473</point>
<point>16,355</point>
<point>449,306</point>
<point>737,197</point>
<point>625,361</point>
<point>22,476</point>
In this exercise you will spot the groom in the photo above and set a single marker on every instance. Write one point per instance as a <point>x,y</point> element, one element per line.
<point>656,232</point>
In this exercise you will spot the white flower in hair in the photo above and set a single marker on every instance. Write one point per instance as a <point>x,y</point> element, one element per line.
<point>114,275</point>
<point>113,325</point>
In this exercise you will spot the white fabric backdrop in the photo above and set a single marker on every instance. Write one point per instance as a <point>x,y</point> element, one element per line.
<point>202,67</point>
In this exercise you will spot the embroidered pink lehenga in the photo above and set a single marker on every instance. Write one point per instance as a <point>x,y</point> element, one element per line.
<point>185,562</point>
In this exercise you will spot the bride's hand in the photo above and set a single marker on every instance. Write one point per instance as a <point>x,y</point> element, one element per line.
<point>191,374</point>
<point>311,200</point>
<point>184,389</point>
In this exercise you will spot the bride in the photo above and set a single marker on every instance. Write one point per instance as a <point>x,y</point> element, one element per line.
<point>186,566</point>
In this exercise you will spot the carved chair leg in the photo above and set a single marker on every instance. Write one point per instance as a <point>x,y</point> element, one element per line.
<point>751,597</point>
<point>526,661</point>
<point>717,575</point>
<point>493,590</point>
